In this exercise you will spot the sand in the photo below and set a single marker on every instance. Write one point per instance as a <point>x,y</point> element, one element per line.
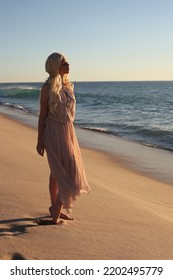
<point>127,215</point>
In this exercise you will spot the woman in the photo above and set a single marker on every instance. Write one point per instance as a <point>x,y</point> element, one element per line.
<point>57,136</point>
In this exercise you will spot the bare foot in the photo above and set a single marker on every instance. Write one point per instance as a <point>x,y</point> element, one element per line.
<point>65,217</point>
<point>54,215</point>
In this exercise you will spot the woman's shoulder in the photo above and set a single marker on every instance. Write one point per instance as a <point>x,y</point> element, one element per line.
<point>45,92</point>
<point>45,85</point>
<point>45,88</point>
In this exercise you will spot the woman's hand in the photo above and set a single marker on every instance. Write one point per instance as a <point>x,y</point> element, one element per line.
<point>40,148</point>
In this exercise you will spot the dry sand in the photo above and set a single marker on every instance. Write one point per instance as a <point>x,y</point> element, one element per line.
<point>126,216</point>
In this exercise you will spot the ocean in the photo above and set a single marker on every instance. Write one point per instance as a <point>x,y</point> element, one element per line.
<point>137,111</point>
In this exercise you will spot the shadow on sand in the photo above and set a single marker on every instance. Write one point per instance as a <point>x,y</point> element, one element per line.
<point>20,225</point>
<point>17,256</point>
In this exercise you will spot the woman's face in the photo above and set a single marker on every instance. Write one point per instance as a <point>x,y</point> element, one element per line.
<point>64,67</point>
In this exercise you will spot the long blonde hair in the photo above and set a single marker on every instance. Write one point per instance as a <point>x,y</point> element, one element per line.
<point>54,80</point>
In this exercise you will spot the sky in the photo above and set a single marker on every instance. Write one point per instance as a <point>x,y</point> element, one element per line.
<point>108,40</point>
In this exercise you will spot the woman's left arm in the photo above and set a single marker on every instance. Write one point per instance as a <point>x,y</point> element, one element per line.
<point>42,118</point>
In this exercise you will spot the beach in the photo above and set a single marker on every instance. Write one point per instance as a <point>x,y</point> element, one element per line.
<point>127,215</point>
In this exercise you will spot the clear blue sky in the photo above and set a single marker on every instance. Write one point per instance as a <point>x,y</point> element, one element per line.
<point>114,40</point>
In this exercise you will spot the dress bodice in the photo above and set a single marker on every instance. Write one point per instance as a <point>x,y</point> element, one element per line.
<point>64,107</point>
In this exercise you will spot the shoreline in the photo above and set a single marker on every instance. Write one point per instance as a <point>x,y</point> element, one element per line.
<point>126,216</point>
<point>149,161</point>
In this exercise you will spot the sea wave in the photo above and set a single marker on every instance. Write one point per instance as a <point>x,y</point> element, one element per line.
<point>97,129</point>
<point>15,106</point>
<point>20,93</point>
<point>135,111</point>
<point>20,90</point>
<point>157,138</point>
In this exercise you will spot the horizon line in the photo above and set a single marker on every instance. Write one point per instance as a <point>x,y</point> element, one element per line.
<point>96,81</point>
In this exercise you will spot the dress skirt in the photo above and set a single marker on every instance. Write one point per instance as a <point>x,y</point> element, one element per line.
<point>65,161</point>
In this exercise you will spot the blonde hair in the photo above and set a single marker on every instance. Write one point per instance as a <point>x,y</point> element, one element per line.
<point>54,80</point>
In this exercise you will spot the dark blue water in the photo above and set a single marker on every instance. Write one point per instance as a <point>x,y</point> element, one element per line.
<point>137,111</point>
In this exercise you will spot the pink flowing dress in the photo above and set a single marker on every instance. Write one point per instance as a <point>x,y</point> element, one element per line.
<point>63,152</point>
